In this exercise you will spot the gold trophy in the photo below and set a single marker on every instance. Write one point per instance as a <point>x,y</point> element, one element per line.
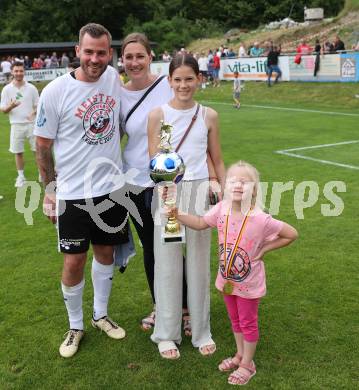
<point>167,167</point>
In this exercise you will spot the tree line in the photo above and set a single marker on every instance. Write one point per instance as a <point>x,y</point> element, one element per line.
<point>171,23</point>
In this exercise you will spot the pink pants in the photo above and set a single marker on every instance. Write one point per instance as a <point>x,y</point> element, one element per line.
<point>243,314</point>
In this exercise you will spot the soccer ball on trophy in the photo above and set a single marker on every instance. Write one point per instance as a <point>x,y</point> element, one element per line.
<point>167,167</point>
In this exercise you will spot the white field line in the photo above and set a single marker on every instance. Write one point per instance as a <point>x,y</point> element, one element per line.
<point>287,152</point>
<point>284,108</point>
<point>320,146</point>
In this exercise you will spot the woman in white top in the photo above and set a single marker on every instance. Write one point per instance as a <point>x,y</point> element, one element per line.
<point>136,56</point>
<point>184,77</point>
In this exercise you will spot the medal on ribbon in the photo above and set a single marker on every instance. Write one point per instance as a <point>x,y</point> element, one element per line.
<point>229,259</point>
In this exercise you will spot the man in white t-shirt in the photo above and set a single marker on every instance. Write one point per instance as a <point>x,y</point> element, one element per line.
<point>78,120</point>
<point>19,99</point>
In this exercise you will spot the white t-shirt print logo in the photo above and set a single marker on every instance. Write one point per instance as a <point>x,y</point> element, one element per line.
<point>97,116</point>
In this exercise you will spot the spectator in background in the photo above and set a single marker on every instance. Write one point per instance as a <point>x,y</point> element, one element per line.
<point>210,65</point>
<point>203,69</point>
<point>27,63</point>
<point>64,61</point>
<point>272,64</point>
<point>317,51</point>
<point>41,59</point>
<point>47,62</point>
<point>54,60</point>
<point>256,51</point>
<point>328,48</point>
<point>317,47</point>
<point>338,44</point>
<point>35,64</point>
<point>304,48</point>
<point>210,57</point>
<point>216,67</point>
<point>166,57</point>
<point>6,68</point>
<point>231,53</point>
<point>41,62</point>
<point>242,51</point>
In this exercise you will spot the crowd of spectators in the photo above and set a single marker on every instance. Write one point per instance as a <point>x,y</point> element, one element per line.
<point>40,62</point>
<point>258,49</point>
<point>209,62</point>
<point>337,46</point>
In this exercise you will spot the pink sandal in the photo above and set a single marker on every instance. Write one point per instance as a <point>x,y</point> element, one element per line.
<point>242,377</point>
<point>229,364</point>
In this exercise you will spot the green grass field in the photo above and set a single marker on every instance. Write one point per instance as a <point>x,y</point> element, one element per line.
<point>309,318</point>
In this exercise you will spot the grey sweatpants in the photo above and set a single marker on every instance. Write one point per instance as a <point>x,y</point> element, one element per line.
<point>193,198</point>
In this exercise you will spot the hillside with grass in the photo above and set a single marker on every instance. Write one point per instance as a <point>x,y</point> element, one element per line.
<point>345,24</point>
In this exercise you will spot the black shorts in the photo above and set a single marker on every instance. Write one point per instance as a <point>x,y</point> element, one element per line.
<point>77,228</point>
<point>204,73</point>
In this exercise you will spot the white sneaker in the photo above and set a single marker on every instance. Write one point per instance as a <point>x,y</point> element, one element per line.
<point>71,344</point>
<point>20,181</point>
<point>109,327</point>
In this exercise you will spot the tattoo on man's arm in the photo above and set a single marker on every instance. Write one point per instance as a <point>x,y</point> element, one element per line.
<point>45,161</point>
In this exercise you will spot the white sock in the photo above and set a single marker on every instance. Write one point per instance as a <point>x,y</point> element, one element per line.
<point>203,85</point>
<point>102,283</point>
<point>73,302</point>
<point>20,172</point>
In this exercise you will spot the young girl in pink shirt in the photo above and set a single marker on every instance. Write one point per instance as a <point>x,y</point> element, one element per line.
<point>245,233</point>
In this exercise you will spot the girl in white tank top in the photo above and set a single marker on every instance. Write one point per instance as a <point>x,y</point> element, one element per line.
<point>184,78</point>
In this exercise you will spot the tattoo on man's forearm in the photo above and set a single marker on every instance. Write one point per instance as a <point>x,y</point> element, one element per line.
<point>45,162</point>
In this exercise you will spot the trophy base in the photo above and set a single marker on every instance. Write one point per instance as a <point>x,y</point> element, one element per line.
<point>174,238</point>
